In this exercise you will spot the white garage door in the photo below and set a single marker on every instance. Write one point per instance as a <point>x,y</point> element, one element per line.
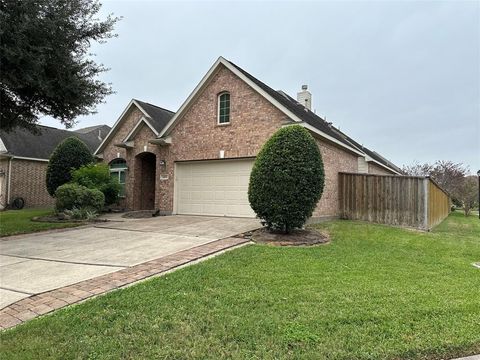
<point>218,187</point>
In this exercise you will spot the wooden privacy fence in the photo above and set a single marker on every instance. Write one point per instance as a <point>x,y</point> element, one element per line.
<point>391,199</point>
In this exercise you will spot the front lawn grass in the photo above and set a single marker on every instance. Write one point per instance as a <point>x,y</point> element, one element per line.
<point>374,292</point>
<point>20,222</point>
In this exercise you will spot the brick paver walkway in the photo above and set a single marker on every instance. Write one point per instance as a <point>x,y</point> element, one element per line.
<point>49,301</point>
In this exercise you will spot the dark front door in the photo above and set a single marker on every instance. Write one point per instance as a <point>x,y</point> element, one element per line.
<point>146,191</point>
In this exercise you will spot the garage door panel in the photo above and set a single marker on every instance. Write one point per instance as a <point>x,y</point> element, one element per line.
<point>209,196</point>
<point>214,188</point>
<point>184,195</point>
<point>243,180</point>
<point>186,181</point>
<point>219,195</point>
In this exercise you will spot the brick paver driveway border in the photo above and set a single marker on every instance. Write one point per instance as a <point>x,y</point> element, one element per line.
<point>40,304</point>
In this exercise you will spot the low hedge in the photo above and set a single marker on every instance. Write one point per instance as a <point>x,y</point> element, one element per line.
<point>70,196</point>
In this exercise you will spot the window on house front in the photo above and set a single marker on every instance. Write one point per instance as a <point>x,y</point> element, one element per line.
<point>224,108</point>
<point>118,170</point>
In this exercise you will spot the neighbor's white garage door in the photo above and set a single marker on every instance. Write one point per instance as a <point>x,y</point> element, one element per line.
<point>218,187</point>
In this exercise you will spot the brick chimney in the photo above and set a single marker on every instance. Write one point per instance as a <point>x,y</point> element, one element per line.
<point>304,97</point>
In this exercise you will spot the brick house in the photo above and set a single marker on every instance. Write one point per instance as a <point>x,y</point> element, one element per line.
<point>198,160</point>
<point>24,158</point>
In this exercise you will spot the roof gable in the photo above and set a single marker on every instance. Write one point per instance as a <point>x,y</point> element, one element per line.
<point>143,121</point>
<point>158,117</point>
<point>154,116</point>
<point>289,106</point>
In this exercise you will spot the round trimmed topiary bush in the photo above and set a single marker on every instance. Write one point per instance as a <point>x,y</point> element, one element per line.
<point>287,179</point>
<point>73,196</point>
<point>70,154</point>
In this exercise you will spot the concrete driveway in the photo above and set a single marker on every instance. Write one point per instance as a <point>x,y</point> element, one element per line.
<point>35,263</point>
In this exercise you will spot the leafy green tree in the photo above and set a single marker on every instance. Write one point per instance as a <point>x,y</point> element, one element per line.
<point>287,179</point>
<point>46,68</point>
<point>97,176</point>
<point>70,154</point>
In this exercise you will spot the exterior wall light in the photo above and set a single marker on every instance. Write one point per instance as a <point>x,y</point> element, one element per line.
<point>163,165</point>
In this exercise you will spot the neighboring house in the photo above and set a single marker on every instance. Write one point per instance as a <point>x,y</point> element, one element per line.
<point>198,160</point>
<point>24,158</point>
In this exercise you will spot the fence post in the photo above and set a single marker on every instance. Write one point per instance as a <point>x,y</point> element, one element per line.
<point>425,202</point>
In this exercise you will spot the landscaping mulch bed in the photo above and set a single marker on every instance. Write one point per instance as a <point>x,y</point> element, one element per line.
<point>301,237</point>
<point>141,214</point>
<point>56,219</point>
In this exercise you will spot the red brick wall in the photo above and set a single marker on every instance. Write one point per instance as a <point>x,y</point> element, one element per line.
<point>335,160</point>
<point>375,169</point>
<point>28,181</point>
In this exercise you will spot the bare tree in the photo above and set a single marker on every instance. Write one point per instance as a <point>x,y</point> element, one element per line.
<point>417,169</point>
<point>468,193</point>
<point>448,174</point>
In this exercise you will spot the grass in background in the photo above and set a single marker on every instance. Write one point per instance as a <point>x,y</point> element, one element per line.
<point>374,292</point>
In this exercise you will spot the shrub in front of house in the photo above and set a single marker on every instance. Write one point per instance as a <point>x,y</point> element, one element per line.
<point>70,154</point>
<point>73,196</point>
<point>287,179</point>
<point>80,214</point>
<point>97,176</point>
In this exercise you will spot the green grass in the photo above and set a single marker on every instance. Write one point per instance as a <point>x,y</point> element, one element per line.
<point>374,292</point>
<point>19,222</point>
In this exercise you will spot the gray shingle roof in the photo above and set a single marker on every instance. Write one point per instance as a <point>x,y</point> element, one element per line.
<point>21,142</point>
<point>104,129</point>
<point>314,120</point>
<point>159,116</point>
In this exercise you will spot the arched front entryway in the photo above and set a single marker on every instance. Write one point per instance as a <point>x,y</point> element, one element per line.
<point>145,168</point>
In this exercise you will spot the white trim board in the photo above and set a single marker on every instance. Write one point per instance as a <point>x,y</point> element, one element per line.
<point>117,123</point>
<point>135,129</point>
<point>3,148</point>
<point>23,158</point>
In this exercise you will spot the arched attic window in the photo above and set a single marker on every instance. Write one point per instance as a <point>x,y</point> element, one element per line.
<point>223,108</point>
<point>118,170</point>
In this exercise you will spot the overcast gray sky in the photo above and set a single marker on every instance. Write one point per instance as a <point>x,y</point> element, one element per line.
<point>403,78</point>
